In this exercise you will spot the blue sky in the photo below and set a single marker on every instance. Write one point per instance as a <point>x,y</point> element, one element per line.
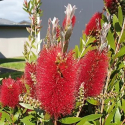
<point>12,10</point>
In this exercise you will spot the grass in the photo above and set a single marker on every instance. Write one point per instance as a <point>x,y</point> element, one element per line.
<point>17,63</point>
<point>14,65</point>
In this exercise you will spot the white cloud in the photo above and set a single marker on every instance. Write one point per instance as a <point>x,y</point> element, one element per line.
<point>13,10</point>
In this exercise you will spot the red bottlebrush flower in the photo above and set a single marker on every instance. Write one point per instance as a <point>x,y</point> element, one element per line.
<point>9,93</point>
<point>93,71</point>
<point>108,3</point>
<point>21,82</point>
<point>92,27</point>
<point>67,22</point>
<point>30,77</point>
<point>56,74</point>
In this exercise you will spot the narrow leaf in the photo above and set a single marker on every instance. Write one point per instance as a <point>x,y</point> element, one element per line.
<point>27,120</point>
<point>111,40</point>
<point>110,117</point>
<point>82,122</point>
<point>120,15</point>
<point>69,120</point>
<point>92,117</point>
<point>27,106</point>
<point>121,52</point>
<point>93,101</point>
<point>122,34</point>
<point>117,116</point>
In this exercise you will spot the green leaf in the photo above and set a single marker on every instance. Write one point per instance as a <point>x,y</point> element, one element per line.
<point>76,51</point>
<point>117,87</point>
<point>112,82</point>
<point>110,117</point>
<point>25,9</point>
<point>90,40</point>
<point>123,105</point>
<point>81,45</point>
<point>84,37</point>
<point>2,122</point>
<point>33,41</point>
<point>121,52</point>
<point>77,105</point>
<point>27,44</point>
<point>34,55</point>
<point>28,4</point>
<point>115,20</point>
<point>117,116</point>
<point>5,116</point>
<point>34,46</point>
<point>16,116</point>
<point>27,106</point>
<point>93,101</point>
<point>122,65</point>
<point>122,34</point>
<point>111,40</point>
<point>120,15</point>
<point>85,120</point>
<point>27,120</point>
<point>116,24</point>
<point>83,123</point>
<point>70,120</point>
<point>92,117</point>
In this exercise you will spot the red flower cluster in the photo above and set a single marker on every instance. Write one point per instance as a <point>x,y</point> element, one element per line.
<point>21,82</point>
<point>56,74</point>
<point>92,26</point>
<point>108,3</point>
<point>65,22</point>
<point>93,70</point>
<point>9,95</point>
<point>30,75</point>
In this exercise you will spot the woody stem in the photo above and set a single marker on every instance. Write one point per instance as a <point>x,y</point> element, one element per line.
<point>55,122</point>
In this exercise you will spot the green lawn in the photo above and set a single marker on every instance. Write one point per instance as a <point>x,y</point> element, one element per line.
<point>17,63</point>
<point>14,65</point>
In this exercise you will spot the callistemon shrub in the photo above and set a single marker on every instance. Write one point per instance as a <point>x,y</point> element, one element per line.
<point>56,78</point>
<point>93,71</point>
<point>94,25</point>
<point>9,93</point>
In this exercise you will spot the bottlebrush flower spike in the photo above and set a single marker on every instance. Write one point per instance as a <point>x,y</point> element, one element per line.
<point>112,5</point>
<point>56,74</point>
<point>109,3</point>
<point>70,18</point>
<point>21,81</point>
<point>9,95</point>
<point>93,71</point>
<point>30,77</point>
<point>94,24</point>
